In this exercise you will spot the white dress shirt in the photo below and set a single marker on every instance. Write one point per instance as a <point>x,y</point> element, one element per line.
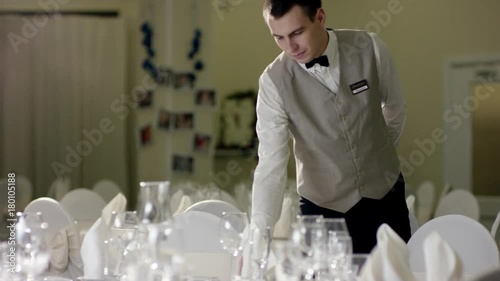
<point>272,123</point>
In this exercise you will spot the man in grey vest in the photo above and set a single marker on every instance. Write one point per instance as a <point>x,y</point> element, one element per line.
<point>336,93</point>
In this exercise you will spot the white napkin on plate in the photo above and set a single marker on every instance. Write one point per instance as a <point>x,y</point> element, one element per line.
<point>389,260</point>
<point>94,251</point>
<point>184,204</point>
<point>65,259</point>
<point>441,261</point>
<point>118,204</point>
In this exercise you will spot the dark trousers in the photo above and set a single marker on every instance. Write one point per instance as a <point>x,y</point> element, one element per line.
<point>367,215</point>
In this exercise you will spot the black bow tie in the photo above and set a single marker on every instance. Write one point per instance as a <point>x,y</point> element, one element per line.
<point>323,61</point>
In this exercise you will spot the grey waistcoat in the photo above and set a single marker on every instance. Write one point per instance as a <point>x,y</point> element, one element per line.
<point>342,147</point>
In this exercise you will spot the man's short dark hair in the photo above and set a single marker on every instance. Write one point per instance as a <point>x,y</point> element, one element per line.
<point>278,8</point>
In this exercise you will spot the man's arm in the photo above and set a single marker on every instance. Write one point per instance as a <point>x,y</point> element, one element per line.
<point>270,176</point>
<point>393,104</point>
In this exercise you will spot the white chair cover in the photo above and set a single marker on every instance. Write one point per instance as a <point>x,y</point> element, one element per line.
<point>469,239</point>
<point>214,207</point>
<point>107,189</point>
<point>59,187</point>
<point>459,202</point>
<point>425,201</point>
<point>494,227</point>
<point>62,236</point>
<point>83,204</point>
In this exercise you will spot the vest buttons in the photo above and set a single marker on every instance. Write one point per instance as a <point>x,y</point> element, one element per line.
<point>344,117</point>
<point>353,147</point>
<point>339,101</point>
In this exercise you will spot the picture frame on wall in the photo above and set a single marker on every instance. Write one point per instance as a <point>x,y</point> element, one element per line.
<point>184,121</point>
<point>183,164</point>
<point>165,119</point>
<point>202,143</point>
<point>145,135</point>
<point>205,98</point>
<point>184,80</point>
<point>144,98</point>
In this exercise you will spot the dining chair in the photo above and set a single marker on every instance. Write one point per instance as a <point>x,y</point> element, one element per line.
<point>62,236</point>
<point>107,189</point>
<point>425,198</point>
<point>458,202</point>
<point>83,204</point>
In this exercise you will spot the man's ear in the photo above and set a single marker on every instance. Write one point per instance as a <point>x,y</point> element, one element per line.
<point>321,16</point>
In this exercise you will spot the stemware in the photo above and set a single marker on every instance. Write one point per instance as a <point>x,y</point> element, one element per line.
<point>32,251</point>
<point>233,228</point>
<point>260,248</point>
<point>123,229</point>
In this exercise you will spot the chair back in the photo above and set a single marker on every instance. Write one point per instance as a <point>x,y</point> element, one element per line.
<point>107,189</point>
<point>83,204</point>
<point>53,213</point>
<point>425,202</point>
<point>459,202</point>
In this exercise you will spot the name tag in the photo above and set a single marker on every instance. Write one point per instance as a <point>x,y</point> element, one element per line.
<point>359,87</point>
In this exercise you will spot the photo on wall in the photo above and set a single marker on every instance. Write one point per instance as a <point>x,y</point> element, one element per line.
<point>182,164</point>
<point>164,119</point>
<point>184,80</point>
<point>144,98</point>
<point>205,98</point>
<point>184,121</point>
<point>145,135</point>
<point>202,143</point>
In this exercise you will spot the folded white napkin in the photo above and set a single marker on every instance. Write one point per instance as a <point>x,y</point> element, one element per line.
<point>94,251</point>
<point>389,260</point>
<point>441,261</point>
<point>184,204</point>
<point>410,203</point>
<point>65,260</point>
<point>117,204</point>
<point>282,227</point>
<point>175,200</point>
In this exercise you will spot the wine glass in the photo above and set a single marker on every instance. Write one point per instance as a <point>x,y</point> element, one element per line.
<point>260,248</point>
<point>123,229</point>
<point>153,202</point>
<point>232,230</point>
<point>308,237</point>
<point>32,251</point>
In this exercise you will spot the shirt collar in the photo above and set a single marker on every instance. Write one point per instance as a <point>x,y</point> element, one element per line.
<point>330,51</point>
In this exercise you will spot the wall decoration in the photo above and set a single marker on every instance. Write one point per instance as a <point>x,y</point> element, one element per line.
<point>205,98</point>
<point>183,121</point>
<point>144,98</point>
<point>182,164</point>
<point>145,135</point>
<point>202,142</point>
<point>164,119</point>
<point>184,80</point>
<point>237,121</point>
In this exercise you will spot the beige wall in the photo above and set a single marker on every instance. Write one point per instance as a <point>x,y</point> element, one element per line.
<point>420,35</point>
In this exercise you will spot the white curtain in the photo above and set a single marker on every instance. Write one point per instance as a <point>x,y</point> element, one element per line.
<point>56,83</point>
